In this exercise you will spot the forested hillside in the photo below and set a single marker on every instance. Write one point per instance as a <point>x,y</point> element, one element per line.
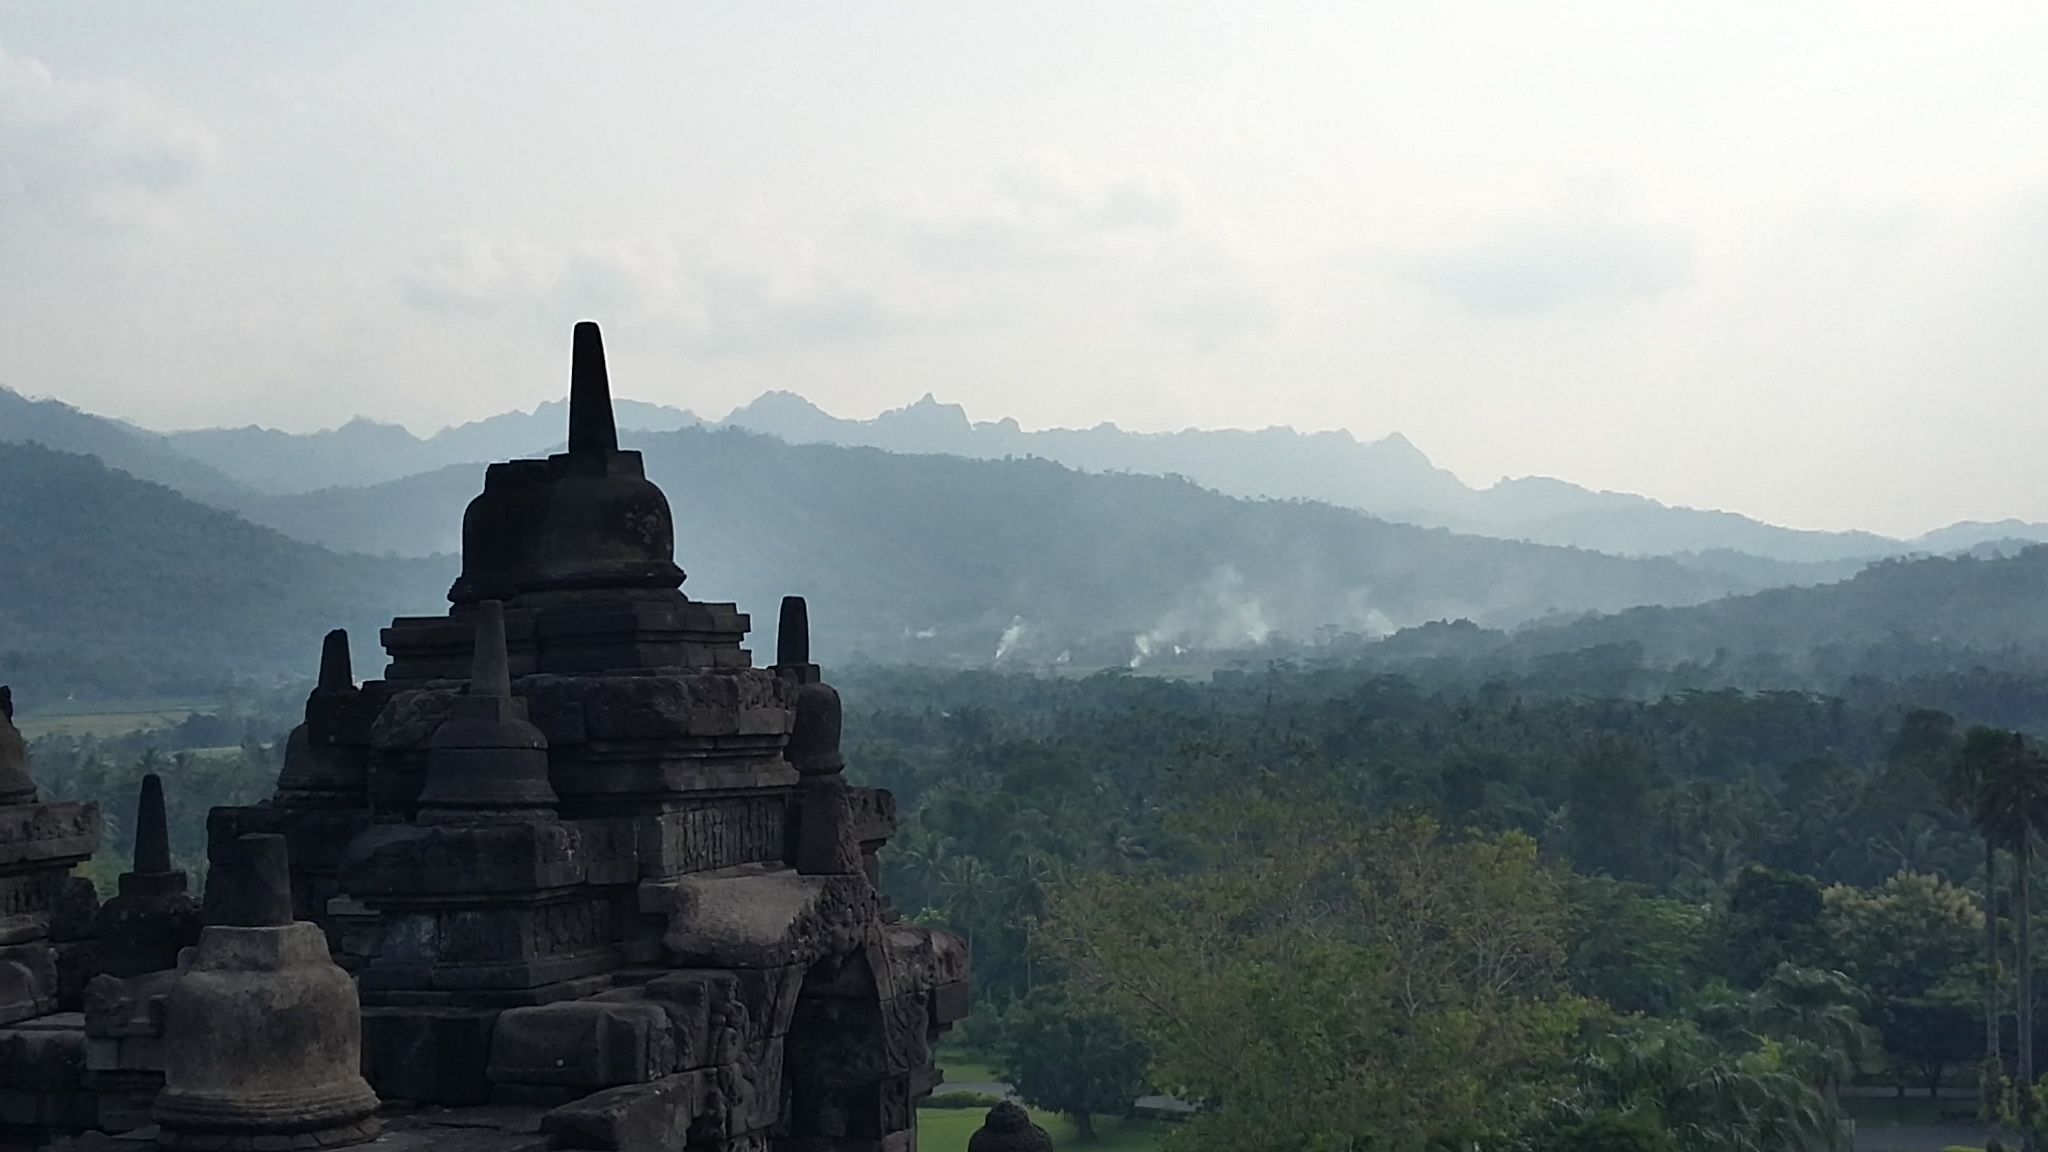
<point>1963,633</point>
<point>122,585</point>
<point>1921,610</point>
<point>941,558</point>
<point>112,586</point>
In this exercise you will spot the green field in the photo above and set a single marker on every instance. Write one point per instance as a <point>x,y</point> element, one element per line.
<point>966,1071</point>
<point>947,1130</point>
<point>97,724</point>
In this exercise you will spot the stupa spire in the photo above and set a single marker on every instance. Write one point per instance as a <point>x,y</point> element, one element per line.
<point>487,762</point>
<point>490,669</point>
<point>16,786</point>
<point>793,632</point>
<point>152,828</point>
<point>337,674</point>
<point>591,426</point>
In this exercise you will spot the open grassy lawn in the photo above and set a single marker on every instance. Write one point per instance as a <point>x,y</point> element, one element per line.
<point>947,1130</point>
<point>966,1070</point>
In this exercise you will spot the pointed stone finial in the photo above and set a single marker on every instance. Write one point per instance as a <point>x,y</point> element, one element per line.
<point>256,883</point>
<point>591,427</point>
<point>813,747</point>
<point>487,762</point>
<point>152,829</point>
<point>490,667</point>
<point>150,917</point>
<point>793,632</point>
<point>336,672</point>
<point>16,786</point>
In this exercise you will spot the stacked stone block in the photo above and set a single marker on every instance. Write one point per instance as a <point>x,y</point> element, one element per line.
<point>262,1029</point>
<point>46,951</point>
<point>599,880</point>
<point>144,930</point>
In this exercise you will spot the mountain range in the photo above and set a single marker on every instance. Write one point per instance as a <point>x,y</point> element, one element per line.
<point>938,557</point>
<point>120,586</point>
<point>943,541</point>
<point>363,451</point>
<point>1390,477</point>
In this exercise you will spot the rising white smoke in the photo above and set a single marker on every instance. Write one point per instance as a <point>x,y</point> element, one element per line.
<point>1008,641</point>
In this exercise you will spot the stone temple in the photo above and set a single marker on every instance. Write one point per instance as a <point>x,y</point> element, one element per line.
<point>574,874</point>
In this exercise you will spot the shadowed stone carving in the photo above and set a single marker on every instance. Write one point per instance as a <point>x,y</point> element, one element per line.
<point>586,519</point>
<point>40,842</point>
<point>486,762</point>
<point>1008,1128</point>
<point>262,1030</point>
<point>600,879</point>
<point>321,766</point>
<point>16,786</point>
<point>152,918</point>
<point>814,743</point>
<point>825,841</point>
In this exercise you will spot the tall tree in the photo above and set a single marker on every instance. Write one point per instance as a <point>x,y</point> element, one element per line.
<point>1064,1056</point>
<point>1317,978</point>
<point>1910,945</point>
<point>1962,786</point>
<point>2013,807</point>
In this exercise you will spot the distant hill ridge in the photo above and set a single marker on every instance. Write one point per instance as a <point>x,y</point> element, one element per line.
<point>364,451</point>
<point>147,455</point>
<point>1966,632</point>
<point>111,586</point>
<point>1390,477</point>
<point>939,558</point>
<point>117,586</point>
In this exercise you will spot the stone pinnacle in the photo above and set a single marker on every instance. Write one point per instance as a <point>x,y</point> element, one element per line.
<point>591,427</point>
<point>336,673</point>
<point>793,632</point>
<point>490,669</point>
<point>259,883</point>
<point>152,829</point>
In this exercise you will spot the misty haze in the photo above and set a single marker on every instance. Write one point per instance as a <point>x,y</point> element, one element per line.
<point>1446,578</point>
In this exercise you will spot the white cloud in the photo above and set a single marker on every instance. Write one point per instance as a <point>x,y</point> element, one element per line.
<point>1049,213</point>
<point>1530,265</point>
<point>1807,246</point>
<point>1140,244</point>
<point>731,290</point>
<point>1145,245</point>
<point>103,154</point>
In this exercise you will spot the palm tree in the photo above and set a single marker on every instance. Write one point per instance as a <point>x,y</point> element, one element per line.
<point>1819,1012</point>
<point>2012,806</point>
<point>1704,1094</point>
<point>1961,786</point>
<point>967,889</point>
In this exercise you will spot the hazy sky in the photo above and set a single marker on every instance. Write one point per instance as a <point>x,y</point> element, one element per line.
<point>1789,259</point>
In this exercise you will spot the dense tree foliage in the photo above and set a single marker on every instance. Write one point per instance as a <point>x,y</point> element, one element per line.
<point>1719,906</point>
<point>195,781</point>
